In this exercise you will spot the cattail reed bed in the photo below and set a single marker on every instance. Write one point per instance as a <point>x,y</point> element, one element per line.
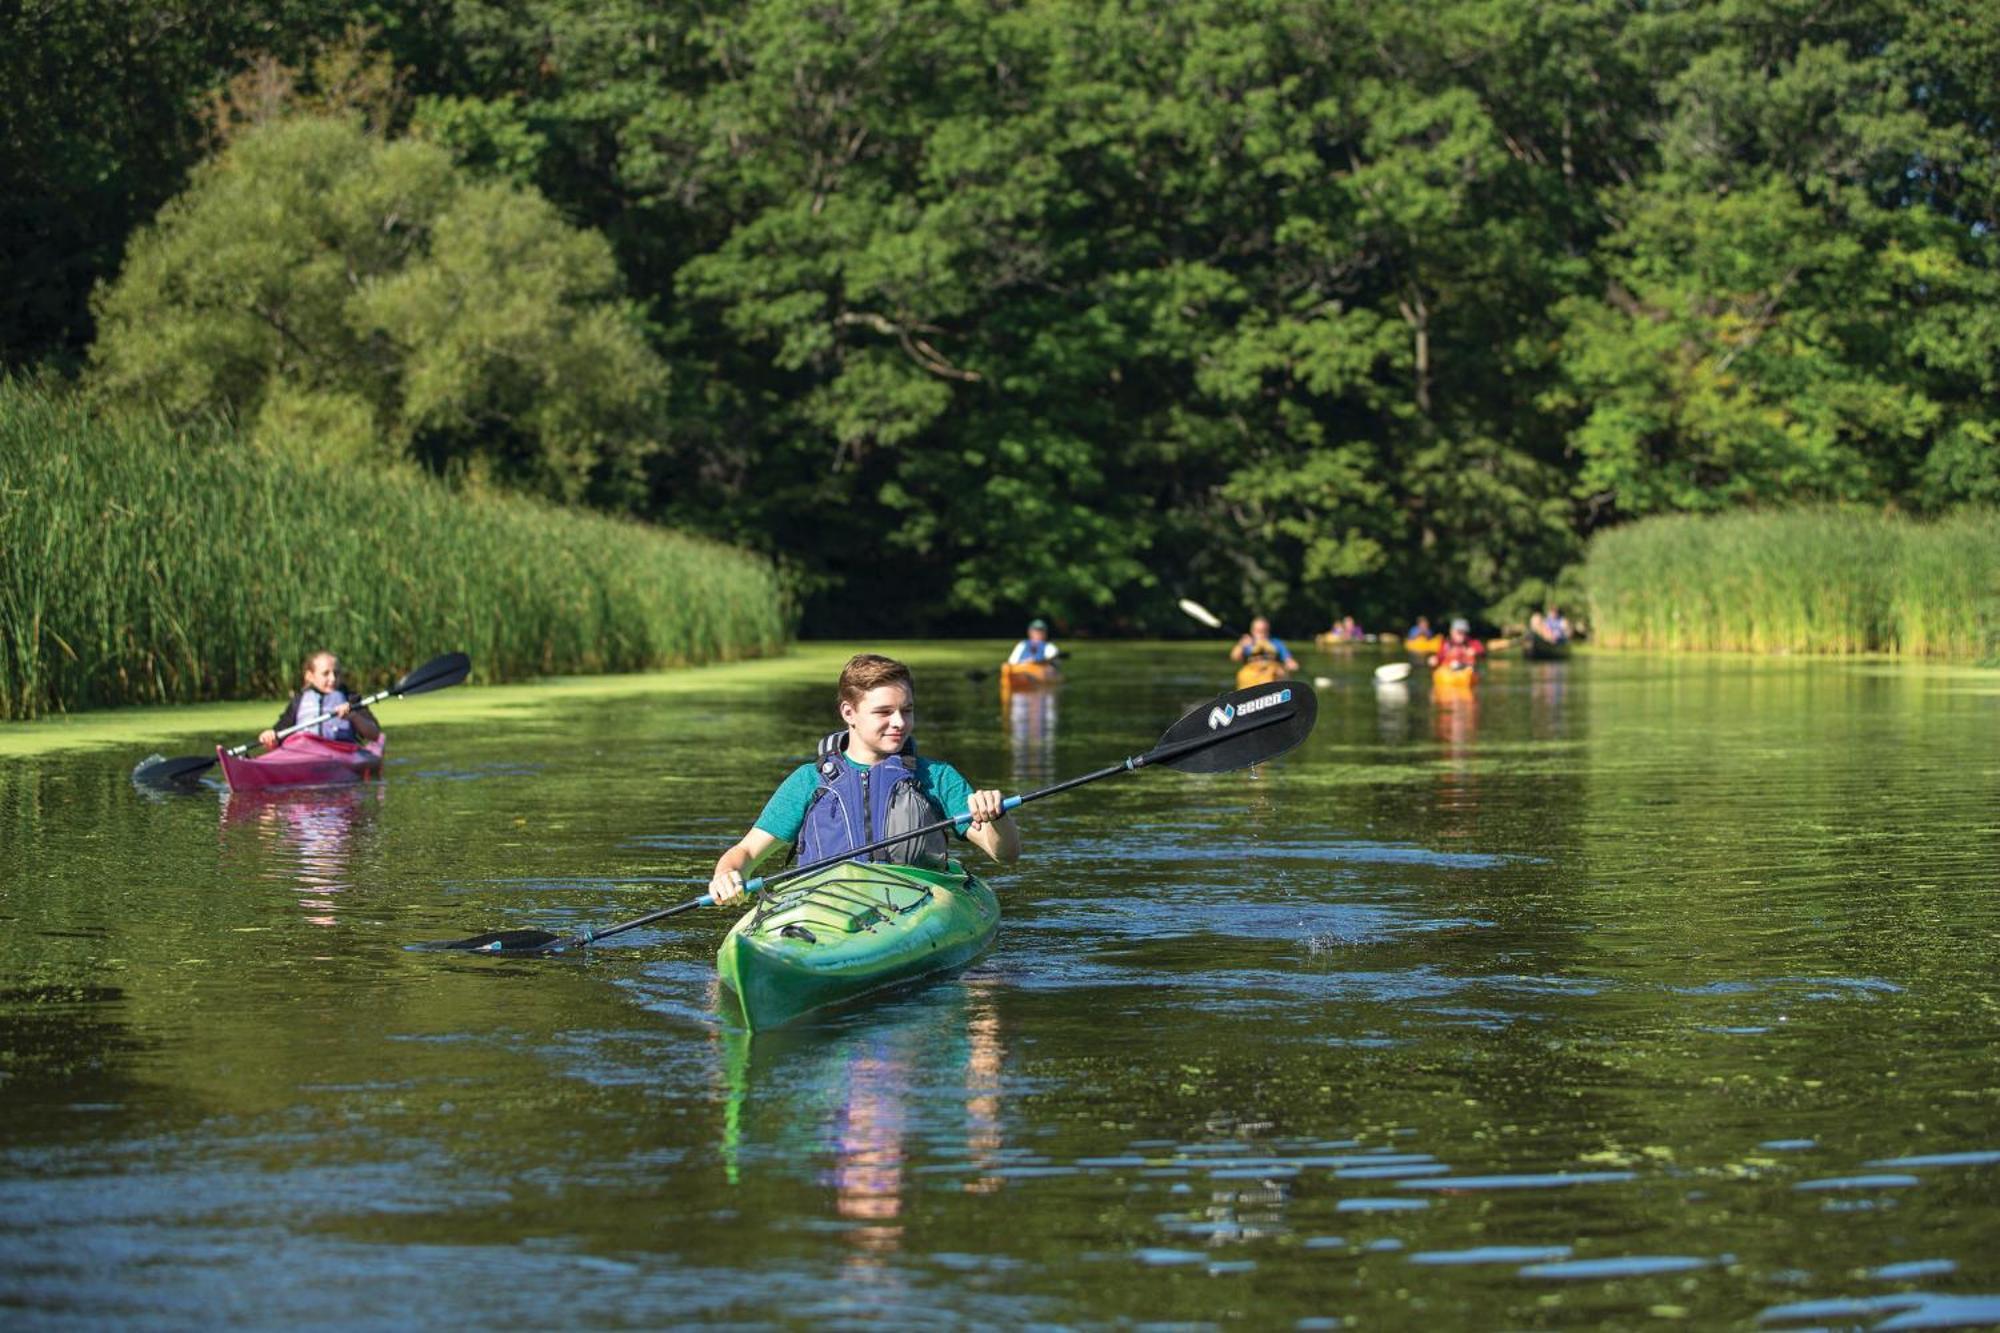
<point>139,564</point>
<point>1805,581</point>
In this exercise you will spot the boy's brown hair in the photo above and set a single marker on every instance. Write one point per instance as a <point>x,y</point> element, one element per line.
<point>868,671</point>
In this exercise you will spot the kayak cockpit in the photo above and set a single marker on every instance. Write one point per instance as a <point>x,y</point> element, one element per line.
<point>857,901</point>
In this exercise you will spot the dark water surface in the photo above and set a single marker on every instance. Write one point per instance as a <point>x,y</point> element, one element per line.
<point>1632,991</point>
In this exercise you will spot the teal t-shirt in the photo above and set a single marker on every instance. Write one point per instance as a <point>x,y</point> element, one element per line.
<point>785,813</point>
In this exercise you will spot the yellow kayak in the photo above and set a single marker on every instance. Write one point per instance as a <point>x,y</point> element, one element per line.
<point>1425,646</point>
<point>1259,671</point>
<point>1454,678</point>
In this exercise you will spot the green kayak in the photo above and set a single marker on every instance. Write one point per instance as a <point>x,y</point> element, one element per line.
<point>849,930</point>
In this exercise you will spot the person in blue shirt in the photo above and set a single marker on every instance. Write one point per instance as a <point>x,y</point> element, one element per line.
<point>1549,626</point>
<point>1036,647</point>
<point>878,702</point>
<point>1260,642</point>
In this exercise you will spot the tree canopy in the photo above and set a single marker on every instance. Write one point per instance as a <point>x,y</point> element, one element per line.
<point>315,277</point>
<point>971,309</point>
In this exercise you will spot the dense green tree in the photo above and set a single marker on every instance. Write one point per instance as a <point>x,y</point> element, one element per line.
<point>971,308</point>
<point>314,275</point>
<point>1799,299</point>
<point>104,109</point>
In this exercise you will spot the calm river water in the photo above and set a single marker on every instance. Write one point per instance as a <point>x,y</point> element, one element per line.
<point>1630,991</point>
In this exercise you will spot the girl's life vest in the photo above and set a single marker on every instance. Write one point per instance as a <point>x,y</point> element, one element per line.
<point>311,704</point>
<point>853,807</point>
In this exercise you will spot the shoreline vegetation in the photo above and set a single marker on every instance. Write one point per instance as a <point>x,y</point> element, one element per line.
<point>1821,580</point>
<point>148,565</point>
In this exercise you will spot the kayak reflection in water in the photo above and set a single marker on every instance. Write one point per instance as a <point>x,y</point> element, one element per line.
<point>304,839</point>
<point>324,693</point>
<point>869,783</point>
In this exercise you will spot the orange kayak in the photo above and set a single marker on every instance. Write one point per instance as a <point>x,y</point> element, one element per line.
<point>1029,675</point>
<point>1454,678</point>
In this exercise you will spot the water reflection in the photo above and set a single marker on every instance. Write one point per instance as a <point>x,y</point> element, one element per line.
<point>304,839</point>
<point>1392,711</point>
<point>1031,734</point>
<point>1548,714</point>
<point>1705,986</point>
<point>1455,723</point>
<point>857,1094</point>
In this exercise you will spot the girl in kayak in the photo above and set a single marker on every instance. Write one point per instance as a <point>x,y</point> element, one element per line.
<point>324,693</point>
<point>867,783</point>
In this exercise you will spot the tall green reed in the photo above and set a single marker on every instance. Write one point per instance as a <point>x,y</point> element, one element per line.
<point>1818,580</point>
<point>143,565</point>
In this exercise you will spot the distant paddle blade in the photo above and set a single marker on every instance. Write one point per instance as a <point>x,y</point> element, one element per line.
<point>497,942</point>
<point>435,674</point>
<point>1392,672</point>
<point>166,773</point>
<point>1201,613</point>
<point>1244,727</point>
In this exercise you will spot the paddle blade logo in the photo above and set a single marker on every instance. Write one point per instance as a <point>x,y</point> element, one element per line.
<point>1222,716</point>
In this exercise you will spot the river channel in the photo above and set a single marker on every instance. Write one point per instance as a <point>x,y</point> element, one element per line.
<point>1621,991</point>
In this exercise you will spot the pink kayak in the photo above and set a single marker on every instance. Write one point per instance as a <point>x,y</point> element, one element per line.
<point>303,761</point>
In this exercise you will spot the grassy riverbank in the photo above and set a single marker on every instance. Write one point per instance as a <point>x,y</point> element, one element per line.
<point>143,565</point>
<point>1806,581</point>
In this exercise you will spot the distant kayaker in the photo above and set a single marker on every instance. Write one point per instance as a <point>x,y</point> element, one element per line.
<point>1420,630</point>
<point>323,693</point>
<point>1459,651</point>
<point>868,783</point>
<point>1036,647</point>
<point>1261,643</point>
<point>1549,626</point>
<point>1346,630</point>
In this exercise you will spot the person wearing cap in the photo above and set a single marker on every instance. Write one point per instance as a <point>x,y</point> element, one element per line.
<point>1459,651</point>
<point>1036,647</point>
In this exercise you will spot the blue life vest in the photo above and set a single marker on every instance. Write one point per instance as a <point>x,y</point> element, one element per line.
<point>853,807</point>
<point>313,704</point>
<point>1027,650</point>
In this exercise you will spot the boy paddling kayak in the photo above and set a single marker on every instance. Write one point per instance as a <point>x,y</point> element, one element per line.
<point>867,783</point>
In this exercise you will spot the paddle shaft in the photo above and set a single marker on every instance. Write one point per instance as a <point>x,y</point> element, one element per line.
<point>238,751</point>
<point>1158,754</point>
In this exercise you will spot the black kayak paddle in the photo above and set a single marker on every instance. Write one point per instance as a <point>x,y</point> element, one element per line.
<point>1235,730</point>
<point>435,674</point>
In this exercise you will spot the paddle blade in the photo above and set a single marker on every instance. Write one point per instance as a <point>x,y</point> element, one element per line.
<point>1390,673</point>
<point>1246,727</point>
<point>1201,613</point>
<point>513,942</point>
<point>167,773</point>
<point>434,675</point>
